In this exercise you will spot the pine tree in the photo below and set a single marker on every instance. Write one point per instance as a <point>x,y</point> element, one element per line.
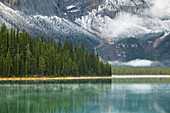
<point>21,66</point>
<point>11,43</point>
<point>26,68</point>
<point>4,39</point>
<point>15,66</point>
<point>1,65</point>
<point>9,63</point>
<point>59,46</point>
<point>5,67</point>
<point>22,55</point>
<point>75,69</point>
<point>41,66</point>
<point>33,65</point>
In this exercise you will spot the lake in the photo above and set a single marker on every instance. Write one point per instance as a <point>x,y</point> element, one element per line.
<point>84,98</point>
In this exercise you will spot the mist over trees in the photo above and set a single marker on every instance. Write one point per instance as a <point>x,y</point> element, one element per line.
<point>21,55</point>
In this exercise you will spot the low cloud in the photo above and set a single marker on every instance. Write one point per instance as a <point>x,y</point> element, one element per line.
<point>136,63</point>
<point>160,9</point>
<point>156,19</point>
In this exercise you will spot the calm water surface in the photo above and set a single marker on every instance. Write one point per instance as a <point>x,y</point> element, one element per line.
<point>85,98</point>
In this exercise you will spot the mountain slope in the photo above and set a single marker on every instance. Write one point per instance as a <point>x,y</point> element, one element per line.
<point>130,19</point>
<point>53,26</point>
<point>132,48</point>
<point>100,24</point>
<point>111,19</point>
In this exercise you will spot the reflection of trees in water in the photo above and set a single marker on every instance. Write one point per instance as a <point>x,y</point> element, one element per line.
<point>80,98</point>
<point>47,98</point>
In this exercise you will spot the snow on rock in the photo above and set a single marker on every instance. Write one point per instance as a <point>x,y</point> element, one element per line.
<point>128,24</point>
<point>124,25</point>
<point>43,25</point>
<point>70,7</point>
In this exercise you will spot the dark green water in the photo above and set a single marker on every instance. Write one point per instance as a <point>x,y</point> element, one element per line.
<point>85,98</point>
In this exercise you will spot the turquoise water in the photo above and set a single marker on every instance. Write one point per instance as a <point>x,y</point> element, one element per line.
<point>85,98</point>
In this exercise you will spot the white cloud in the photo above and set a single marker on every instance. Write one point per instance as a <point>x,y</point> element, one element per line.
<point>160,8</point>
<point>136,63</point>
<point>139,63</point>
<point>126,24</point>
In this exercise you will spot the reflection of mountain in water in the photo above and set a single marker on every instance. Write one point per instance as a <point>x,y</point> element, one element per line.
<point>85,98</point>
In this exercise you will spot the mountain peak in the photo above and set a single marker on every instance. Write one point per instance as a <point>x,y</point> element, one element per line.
<point>97,23</point>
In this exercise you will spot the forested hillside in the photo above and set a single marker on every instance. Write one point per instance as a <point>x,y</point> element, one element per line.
<point>21,55</point>
<point>137,48</point>
<point>140,71</point>
<point>120,30</point>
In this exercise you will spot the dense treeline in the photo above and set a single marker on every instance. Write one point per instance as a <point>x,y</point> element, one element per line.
<point>21,55</point>
<point>140,71</point>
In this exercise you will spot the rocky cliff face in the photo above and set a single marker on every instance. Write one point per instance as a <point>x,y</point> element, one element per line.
<point>72,9</point>
<point>62,8</point>
<point>47,26</point>
<point>81,12</point>
<point>100,24</point>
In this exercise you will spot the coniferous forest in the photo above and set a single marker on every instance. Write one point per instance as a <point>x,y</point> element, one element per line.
<point>140,71</point>
<point>21,56</point>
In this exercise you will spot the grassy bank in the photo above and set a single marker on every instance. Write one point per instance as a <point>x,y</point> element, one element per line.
<point>88,79</point>
<point>140,71</point>
<point>51,78</point>
<point>81,77</point>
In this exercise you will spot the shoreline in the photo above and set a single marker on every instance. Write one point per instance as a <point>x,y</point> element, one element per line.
<point>141,76</point>
<point>50,78</point>
<point>80,78</point>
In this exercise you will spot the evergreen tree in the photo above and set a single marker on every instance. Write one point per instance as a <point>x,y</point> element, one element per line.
<point>21,55</point>
<point>1,65</point>
<point>41,66</point>
<point>26,68</point>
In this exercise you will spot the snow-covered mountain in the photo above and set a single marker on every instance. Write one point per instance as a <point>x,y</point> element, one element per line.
<point>107,18</point>
<point>100,24</point>
<point>52,26</point>
<point>132,17</point>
